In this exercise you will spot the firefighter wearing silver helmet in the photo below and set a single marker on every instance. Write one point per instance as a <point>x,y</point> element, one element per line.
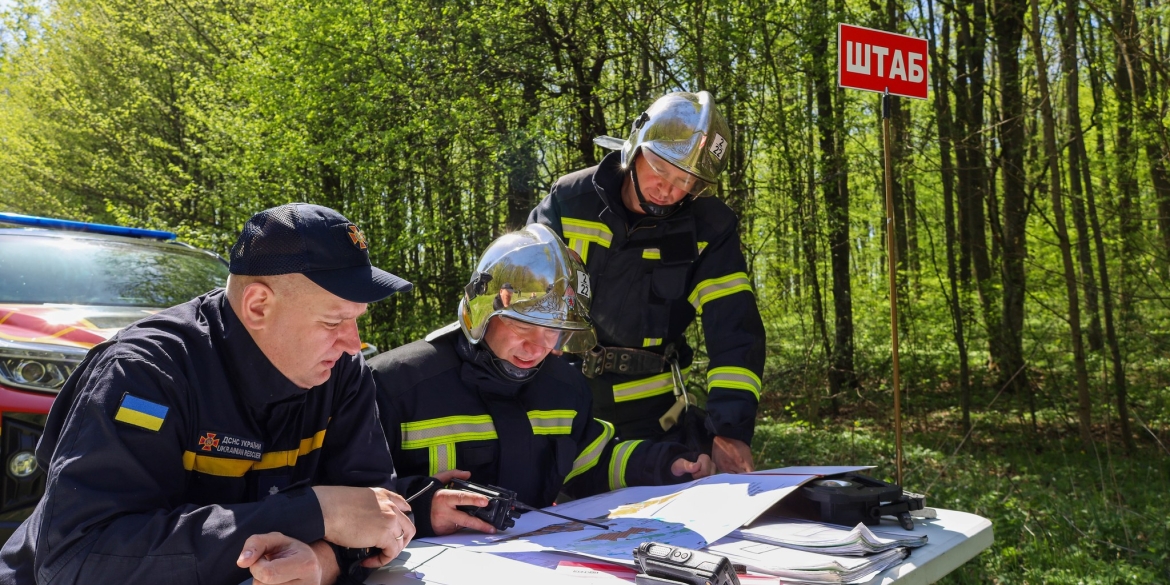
<point>479,399</point>
<point>530,277</point>
<point>661,253</point>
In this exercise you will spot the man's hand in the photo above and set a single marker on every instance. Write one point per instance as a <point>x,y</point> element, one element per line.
<point>732,456</point>
<point>445,519</point>
<point>701,467</point>
<point>275,558</point>
<point>366,517</point>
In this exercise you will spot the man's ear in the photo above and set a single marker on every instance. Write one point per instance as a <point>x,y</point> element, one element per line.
<point>257,304</point>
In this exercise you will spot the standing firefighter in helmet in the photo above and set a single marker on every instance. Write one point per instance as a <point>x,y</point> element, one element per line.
<point>478,399</point>
<point>660,251</point>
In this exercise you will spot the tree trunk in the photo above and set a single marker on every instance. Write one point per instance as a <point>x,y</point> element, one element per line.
<point>1126,181</point>
<point>521,163</point>
<point>1084,401</point>
<point>1118,367</point>
<point>1007,22</point>
<point>972,172</point>
<point>945,137</point>
<point>1069,67</point>
<point>835,185</point>
<point>1153,132</point>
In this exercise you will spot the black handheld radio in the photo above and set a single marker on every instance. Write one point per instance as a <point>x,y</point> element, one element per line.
<point>503,508</point>
<point>663,564</point>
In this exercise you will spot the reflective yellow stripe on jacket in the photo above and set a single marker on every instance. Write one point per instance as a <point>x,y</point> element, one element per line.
<point>551,422</point>
<point>227,467</point>
<point>644,388</point>
<point>717,288</point>
<point>617,463</point>
<point>439,436</point>
<point>592,454</point>
<point>579,233</point>
<point>734,378</point>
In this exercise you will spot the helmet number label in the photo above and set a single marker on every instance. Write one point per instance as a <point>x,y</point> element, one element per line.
<point>718,146</point>
<point>583,287</point>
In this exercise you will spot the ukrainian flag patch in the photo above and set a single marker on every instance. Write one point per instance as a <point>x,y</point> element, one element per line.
<point>141,413</point>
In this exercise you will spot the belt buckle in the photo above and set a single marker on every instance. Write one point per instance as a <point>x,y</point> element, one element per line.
<point>593,364</point>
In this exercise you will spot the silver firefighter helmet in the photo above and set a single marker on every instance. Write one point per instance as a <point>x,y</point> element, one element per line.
<point>530,277</point>
<point>686,130</point>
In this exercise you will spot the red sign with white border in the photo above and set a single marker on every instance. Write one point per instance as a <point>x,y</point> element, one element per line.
<point>874,60</point>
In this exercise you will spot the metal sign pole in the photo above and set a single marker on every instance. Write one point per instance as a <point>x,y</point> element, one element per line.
<point>892,255</point>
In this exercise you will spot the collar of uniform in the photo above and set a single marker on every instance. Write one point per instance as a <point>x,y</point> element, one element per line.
<point>254,376</point>
<point>608,183</point>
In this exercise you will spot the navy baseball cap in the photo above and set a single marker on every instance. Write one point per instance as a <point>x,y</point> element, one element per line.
<point>315,241</point>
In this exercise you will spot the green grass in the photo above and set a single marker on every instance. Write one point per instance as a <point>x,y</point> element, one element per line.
<point>1060,515</point>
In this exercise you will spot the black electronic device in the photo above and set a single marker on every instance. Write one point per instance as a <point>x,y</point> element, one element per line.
<point>851,498</point>
<point>503,508</point>
<point>664,564</point>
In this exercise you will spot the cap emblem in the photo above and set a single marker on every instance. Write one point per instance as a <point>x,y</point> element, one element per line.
<point>357,237</point>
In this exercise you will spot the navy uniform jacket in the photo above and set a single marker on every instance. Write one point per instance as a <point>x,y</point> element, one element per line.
<point>443,407</point>
<point>650,278</point>
<point>175,441</point>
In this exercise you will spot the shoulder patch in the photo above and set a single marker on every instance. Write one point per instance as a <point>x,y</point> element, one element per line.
<point>141,413</point>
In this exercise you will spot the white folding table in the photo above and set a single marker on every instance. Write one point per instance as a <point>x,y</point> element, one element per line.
<point>953,539</point>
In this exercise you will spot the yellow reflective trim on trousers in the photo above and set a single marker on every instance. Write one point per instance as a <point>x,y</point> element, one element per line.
<point>592,454</point>
<point>652,254</point>
<point>449,429</point>
<point>702,246</point>
<point>734,378</point>
<point>551,422</point>
<point>581,247</point>
<point>644,388</point>
<point>651,341</point>
<point>618,462</point>
<point>717,288</point>
<point>589,231</point>
<point>227,467</point>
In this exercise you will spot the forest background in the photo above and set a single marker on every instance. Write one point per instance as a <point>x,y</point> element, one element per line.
<point>1031,193</point>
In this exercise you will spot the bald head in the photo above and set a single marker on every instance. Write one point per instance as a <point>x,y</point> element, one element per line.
<point>300,327</point>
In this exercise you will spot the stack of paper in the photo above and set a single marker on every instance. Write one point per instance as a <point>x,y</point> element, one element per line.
<point>828,538</point>
<point>808,567</point>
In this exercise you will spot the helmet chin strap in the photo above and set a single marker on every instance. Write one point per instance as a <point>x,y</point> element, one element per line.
<point>650,208</point>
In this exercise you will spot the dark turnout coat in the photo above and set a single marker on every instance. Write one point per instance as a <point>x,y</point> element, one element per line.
<point>651,277</point>
<point>175,441</point>
<point>443,407</point>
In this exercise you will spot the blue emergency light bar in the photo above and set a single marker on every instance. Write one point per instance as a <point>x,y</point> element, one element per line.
<point>81,226</point>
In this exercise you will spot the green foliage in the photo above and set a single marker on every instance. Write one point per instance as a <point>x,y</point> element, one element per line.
<point>1059,515</point>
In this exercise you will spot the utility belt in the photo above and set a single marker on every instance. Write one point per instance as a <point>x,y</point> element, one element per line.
<point>627,361</point>
<point>639,362</point>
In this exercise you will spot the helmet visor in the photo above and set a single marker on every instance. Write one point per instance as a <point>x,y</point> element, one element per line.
<point>677,177</point>
<point>572,341</point>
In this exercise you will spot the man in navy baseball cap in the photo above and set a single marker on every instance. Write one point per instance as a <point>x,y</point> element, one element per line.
<point>315,241</point>
<point>236,432</point>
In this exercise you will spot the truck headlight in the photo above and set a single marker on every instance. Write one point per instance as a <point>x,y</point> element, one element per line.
<point>22,464</point>
<point>44,371</point>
